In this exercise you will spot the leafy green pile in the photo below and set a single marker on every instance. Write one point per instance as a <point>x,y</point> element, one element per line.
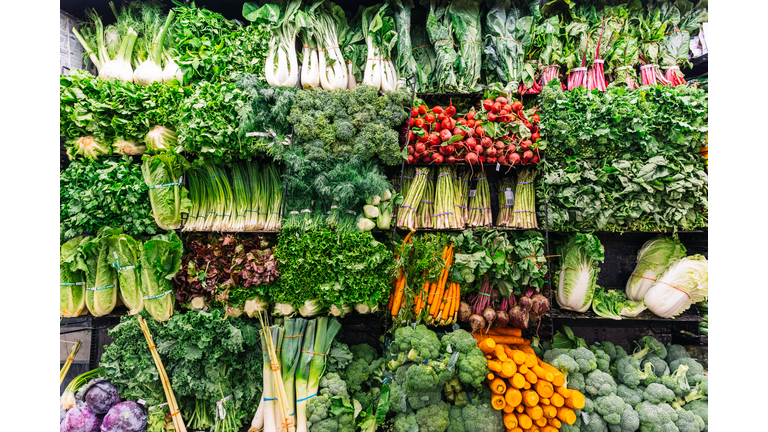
<point>206,357</point>
<point>104,192</point>
<point>213,49</point>
<point>659,194</point>
<point>512,261</point>
<point>651,121</point>
<point>112,109</point>
<point>349,124</point>
<point>334,268</point>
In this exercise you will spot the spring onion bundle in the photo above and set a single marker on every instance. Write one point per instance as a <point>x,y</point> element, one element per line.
<point>317,343</point>
<point>245,197</point>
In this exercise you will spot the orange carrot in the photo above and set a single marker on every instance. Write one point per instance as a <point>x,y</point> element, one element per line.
<point>540,422</point>
<point>527,385</point>
<point>517,381</point>
<point>513,397</point>
<point>494,365</point>
<point>517,429</point>
<point>518,357</point>
<point>520,408</point>
<point>523,369</point>
<point>499,352</point>
<point>566,415</point>
<point>498,386</point>
<point>549,411</point>
<point>398,297</point>
<point>576,401</point>
<point>530,398</point>
<point>524,421</point>
<point>431,295</point>
<point>487,346</point>
<point>491,377</point>
<point>559,379</point>
<point>437,300</point>
<point>564,392</point>
<point>555,423</point>
<point>508,369</point>
<point>534,412</point>
<point>508,409</point>
<point>512,340</point>
<point>449,303</point>
<point>510,421</point>
<point>542,400</point>
<point>506,331</point>
<point>548,428</point>
<point>542,373</point>
<point>557,400</point>
<point>544,389</point>
<point>531,377</point>
<point>530,360</point>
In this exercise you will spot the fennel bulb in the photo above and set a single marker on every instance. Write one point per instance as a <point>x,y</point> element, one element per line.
<point>578,276</point>
<point>371,212</point>
<point>255,305</point>
<point>172,71</point>
<point>365,224</point>
<point>340,311</point>
<point>310,308</point>
<point>149,70</point>
<point>283,309</point>
<point>653,259</point>
<point>685,282</point>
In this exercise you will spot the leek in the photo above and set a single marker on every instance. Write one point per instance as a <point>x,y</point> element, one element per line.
<point>317,340</point>
<point>290,354</point>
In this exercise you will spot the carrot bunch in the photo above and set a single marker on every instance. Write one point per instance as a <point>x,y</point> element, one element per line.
<point>441,303</point>
<point>530,392</point>
<point>396,299</point>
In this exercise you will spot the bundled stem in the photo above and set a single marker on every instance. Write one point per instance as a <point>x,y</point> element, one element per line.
<point>524,210</point>
<point>426,206</point>
<point>406,216</point>
<point>445,215</point>
<point>68,362</point>
<point>480,203</point>
<point>506,190</point>
<point>461,195</point>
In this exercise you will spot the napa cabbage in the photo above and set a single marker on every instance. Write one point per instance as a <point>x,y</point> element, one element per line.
<point>652,260</point>
<point>685,282</point>
<point>578,275</point>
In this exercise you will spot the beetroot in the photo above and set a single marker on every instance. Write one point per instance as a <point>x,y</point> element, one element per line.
<point>487,104</point>
<point>518,317</point>
<point>448,123</point>
<point>496,108</point>
<point>535,136</point>
<point>539,305</point>
<point>535,159</point>
<point>514,158</point>
<point>502,160</point>
<point>525,303</point>
<point>511,148</point>
<point>419,148</point>
<point>437,109</point>
<point>471,115</point>
<point>491,159</point>
<point>464,312</point>
<point>476,322</point>
<point>489,315</point>
<point>451,110</point>
<point>502,319</point>
<point>491,117</point>
<point>481,159</point>
<point>503,113</point>
<point>517,106</point>
<point>410,158</point>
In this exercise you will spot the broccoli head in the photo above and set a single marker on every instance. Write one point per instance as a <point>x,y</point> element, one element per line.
<point>422,377</point>
<point>318,408</point>
<point>655,418</point>
<point>456,418</point>
<point>649,344</point>
<point>333,385</point>
<point>576,381</point>
<point>365,352</point>
<point>433,418</point>
<point>609,348</point>
<point>603,359</point>
<point>589,405</point>
<point>401,342</point>
<point>575,427</point>
<point>357,373</point>
<point>629,422</point>
<point>406,422</point>
<point>630,396</point>
<point>701,409</point>
<point>585,358</point>
<point>700,389</point>
<point>472,367</point>
<point>398,400</point>
<point>565,364</point>
<point>424,344</point>
<point>339,357</point>
<point>688,421</point>
<point>593,422</point>
<point>551,355</point>
<point>610,407</point>
<point>659,366</point>
<point>628,371</point>
<point>599,383</point>
<point>657,394</point>
<point>481,417</point>
<point>694,367</point>
<point>417,400</point>
<point>677,382</point>
<point>326,425</point>
<point>675,352</point>
<point>460,340</point>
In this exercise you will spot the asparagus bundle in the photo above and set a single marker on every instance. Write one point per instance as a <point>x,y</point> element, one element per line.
<point>426,206</point>
<point>505,187</point>
<point>524,211</point>
<point>480,202</point>
<point>461,193</point>
<point>445,199</point>
<point>407,214</point>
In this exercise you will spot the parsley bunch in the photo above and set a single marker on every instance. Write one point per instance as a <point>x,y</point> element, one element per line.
<point>106,192</point>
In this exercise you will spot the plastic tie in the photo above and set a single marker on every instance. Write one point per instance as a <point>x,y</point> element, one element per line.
<point>423,46</point>
<point>523,183</point>
<point>70,359</point>
<point>312,352</point>
<point>508,39</point>
<point>623,68</point>
<point>443,175</point>
<point>598,61</point>
<point>71,283</point>
<point>151,347</point>
<point>269,399</point>
<point>275,366</point>
<point>158,296</point>
<point>301,335</point>
<point>578,69</point>
<point>582,268</point>
<point>427,202</point>
<point>523,211</point>
<point>485,294</point>
<point>442,214</point>
<point>100,288</point>
<point>468,398</point>
<point>177,412</point>
<point>672,286</point>
<point>308,397</point>
<point>165,185</point>
<point>648,66</point>
<point>642,277</point>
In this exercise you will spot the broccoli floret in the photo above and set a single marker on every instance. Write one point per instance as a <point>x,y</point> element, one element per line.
<point>629,422</point>
<point>398,400</point>
<point>628,371</point>
<point>576,381</point>
<point>585,358</point>
<point>333,385</point>
<point>345,131</point>
<point>700,389</point>
<point>677,382</point>
<point>339,358</point>
<point>609,348</point>
<point>418,400</point>
<point>603,359</point>
<point>433,418</point>
<point>592,422</point>
<point>575,427</point>
<point>472,367</point>
<point>456,420</point>
<point>422,377</point>
<point>365,352</point>
<point>610,407</point>
<point>659,366</point>
<point>460,340</point>
<point>406,422</point>
<point>326,425</point>
<point>481,417</point>
<point>318,408</point>
<point>346,422</point>
<point>675,352</point>
<point>589,405</point>
<point>688,421</point>
<point>657,394</point>
<point>565,364</point>
<point>694,367</point>
<point>357,373</point>
<point>655,418</point>
<point>401,343</point>
<point>599,383</point>
<point>630,396</point>
<point>650,344</point>
<point>552,354</point>
<point>424,344</point>
<point>701,409</point>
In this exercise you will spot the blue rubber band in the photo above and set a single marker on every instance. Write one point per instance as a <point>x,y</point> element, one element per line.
<point>468,398</point>
<point>308,397</point>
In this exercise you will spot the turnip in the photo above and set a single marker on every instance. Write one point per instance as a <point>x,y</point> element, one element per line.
<point>476,322</point>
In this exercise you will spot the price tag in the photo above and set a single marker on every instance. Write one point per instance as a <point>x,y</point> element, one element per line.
<point>141,402</point>
<point>498,165</point>
<point>509,196</point>
<point>472,192</point>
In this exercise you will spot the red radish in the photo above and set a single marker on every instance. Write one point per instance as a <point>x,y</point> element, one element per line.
<point>471,115</point>
<point>535,118</point>
<point>445,135</point>
<point>434,139</point>
<point>502,100</point>
<point>502,160</point>
<point>479,131</point>
<point>486,142</point>
<point>462,122</point>
<point>503,113</point>
<point>478,149</point>
<point>429,118</point>
<point>535,159</point>
<point>451,159</point>
<point>525,145</point>
<point>507,107</point>
<point>534,128</point>
<point>514,158</point>
<point>423,138</point>
<point>451,110</point>
<point>447,150</point>
<point>499,145</point>
<point>496,108</point>
<point>448,123</point>
<point>517,106</point>
<point>470,123</point>
<point>422,109</point>
<point>511,148</point>
<point>414,112</point>
<point>437,158</point>
<point>491,117</point>
<point>411,136</point>
<point>535,136</point>
<point>527,124</point>
<point>487,104</point>
<point>481,159</point>
<point>491,159</point>
<point>471,142</point>
<point>491,151</point>
<point>419,122</point>
<point>441,117</point>
<point>410,159</point>
<point>411,150</point>
<point>437,109</point>
<point>527,156</point>
<point>459,131</point>
<point>420,148</point>
<point>412,123</point>
<point>471,158</point>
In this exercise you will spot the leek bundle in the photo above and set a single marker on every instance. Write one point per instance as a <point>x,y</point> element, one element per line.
<point>317,343</point>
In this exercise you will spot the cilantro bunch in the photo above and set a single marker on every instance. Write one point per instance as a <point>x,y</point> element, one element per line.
<point>105,192</point>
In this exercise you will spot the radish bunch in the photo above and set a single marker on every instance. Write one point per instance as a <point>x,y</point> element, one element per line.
<point>499,132</point>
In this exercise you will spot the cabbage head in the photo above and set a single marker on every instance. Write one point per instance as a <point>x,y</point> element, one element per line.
<point>578,276</point>
<point>653,259</point>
